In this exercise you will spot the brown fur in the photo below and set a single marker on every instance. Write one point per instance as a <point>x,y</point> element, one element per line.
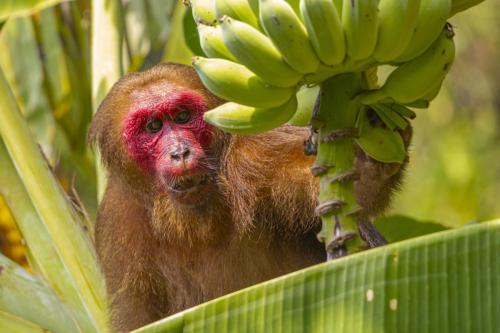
<point>159,257</point>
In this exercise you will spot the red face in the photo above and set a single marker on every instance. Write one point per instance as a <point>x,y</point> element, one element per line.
<point>165,134</point>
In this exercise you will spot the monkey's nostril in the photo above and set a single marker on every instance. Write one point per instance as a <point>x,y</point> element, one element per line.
<point>180,154</point>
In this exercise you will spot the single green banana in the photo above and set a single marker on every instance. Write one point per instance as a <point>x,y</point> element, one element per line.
<point>306,98</point>
<point>426,100</point>
<point>203,11</point>
<point>288,34</point>
<point>212,42</point>
<point>397,20</point>
<point>431,19</point>
<point>256,51</point>
<point>461,5</point>
<point>235,83</point>
<point>324,27</point>
<point>379,143</point>
<point>360,22</point>
<point>417,78</point>
<point>434,91</point>
<point>240,119</point>
<point>237,9</point>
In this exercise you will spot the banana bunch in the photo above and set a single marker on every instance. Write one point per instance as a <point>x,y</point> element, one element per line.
<point>260,52</point>
<point>420,78</point>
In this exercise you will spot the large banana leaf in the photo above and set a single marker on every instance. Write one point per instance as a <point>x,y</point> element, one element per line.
<point>444,282</point>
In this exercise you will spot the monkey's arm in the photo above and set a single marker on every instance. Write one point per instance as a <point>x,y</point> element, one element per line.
<point>125,249</point>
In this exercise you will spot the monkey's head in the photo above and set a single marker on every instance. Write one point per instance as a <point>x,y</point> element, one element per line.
<point>150,132</point>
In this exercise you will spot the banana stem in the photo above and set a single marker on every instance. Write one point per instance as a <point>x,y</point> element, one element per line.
<point>335,119</point>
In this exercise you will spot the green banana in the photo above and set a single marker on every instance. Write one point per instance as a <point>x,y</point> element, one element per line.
<point>324,27</point>
<point>434,91</point>
<point>461,5</point>
<point>203,11</point>
<point>288,34</point>
<point>379,143</point>
<point>431,19</point>
<point>397,19</point>
<point>414,80</point>
<point>237,9</point>
<point>425,101</point>
<point>234,82</point>
<point>306,98</point>
<point>240,119</point>
<point>212,42</point>
<point>256,51</point>
<point>360,21</point>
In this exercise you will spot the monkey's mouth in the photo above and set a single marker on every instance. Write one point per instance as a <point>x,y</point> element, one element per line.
<point>187,183</point>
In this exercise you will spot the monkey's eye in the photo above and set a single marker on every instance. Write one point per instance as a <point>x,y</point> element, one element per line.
<point>154,125</point>
<point>182,117</point>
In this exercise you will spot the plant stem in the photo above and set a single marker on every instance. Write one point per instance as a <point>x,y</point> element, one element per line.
<point>336,120</point>
<point>107,64</point>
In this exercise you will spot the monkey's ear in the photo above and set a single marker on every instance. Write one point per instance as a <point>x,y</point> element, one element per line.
<point>100,126</point>
<point>94,131</point>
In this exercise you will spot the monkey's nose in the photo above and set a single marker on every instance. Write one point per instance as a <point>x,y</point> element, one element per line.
<point>180,153</point>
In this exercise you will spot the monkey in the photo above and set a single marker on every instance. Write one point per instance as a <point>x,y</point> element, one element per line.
<point>191,213</point>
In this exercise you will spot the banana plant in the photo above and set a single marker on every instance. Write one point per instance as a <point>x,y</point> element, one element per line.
<point>261,53</point>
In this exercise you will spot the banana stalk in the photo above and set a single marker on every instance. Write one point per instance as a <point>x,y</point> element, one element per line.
<point>336,115</point>
<point>107,61</point>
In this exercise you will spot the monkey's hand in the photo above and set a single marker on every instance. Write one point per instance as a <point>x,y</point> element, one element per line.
<point>376,185</point>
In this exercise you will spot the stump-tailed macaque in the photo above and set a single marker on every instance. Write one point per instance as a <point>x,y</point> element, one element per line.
<point>191,213</point>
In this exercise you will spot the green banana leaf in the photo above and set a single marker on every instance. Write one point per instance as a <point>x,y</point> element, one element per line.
<point>13,324</point>
<point>9,8</point>
<point>54,209</point>
<point>444,282</point>
<point>26,296</point>
<point>396,228</point>
<point>44,259</point>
